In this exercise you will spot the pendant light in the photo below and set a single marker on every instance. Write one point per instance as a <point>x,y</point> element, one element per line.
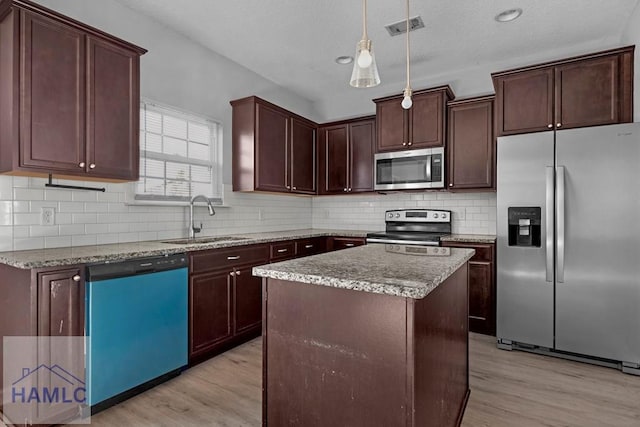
<point>406,101</point>
<point>365,70</point>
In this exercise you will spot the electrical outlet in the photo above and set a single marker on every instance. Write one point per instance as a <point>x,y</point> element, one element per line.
<point>48,216</point>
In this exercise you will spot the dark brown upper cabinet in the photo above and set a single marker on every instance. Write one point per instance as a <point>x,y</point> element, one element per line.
<point>421,126</point>
<point>588,90</point>
<point>69,97</point>
<point>274,150</point>
<point>346,156</point>
<point>471,149</point>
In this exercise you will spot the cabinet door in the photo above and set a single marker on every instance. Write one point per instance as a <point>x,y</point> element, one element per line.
<point>60,314</point>
<point>247,301</point>
<point>587,93</point>
<point>336,148</point>
<point>471,145</point>
<point>361,143</point>
<point>272,149</point>
<point>426,124</point>
<point>481,297</point>
<point>524,102</point>
<point>113,103</point>
<point>61,303</point>
<point>392,125</point>
<point>210,311</point>
<point>303,157</point>
<point>52,110</point>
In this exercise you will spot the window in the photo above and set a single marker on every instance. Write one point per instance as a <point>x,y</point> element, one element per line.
<point>180,155</point>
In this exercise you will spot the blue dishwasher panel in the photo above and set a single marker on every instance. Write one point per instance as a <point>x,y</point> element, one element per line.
<point>137,329</point>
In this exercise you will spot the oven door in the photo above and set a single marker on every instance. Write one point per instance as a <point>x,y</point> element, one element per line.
<point>415,169</point>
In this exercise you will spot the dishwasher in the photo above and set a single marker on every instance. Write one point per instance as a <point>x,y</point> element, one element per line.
<point>136,326</point>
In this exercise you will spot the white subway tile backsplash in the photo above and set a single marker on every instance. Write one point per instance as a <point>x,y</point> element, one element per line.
<point>27,194</point>
<point>84,240</point>
<point>84,218</point>
<point>71,206</point>
<point>71,230</point>
<point>96,228</point>
<point>57,242</point>
<point>57,195</point>
<point>26,218</point>
<point>84,196</point>
<point>28,243</point>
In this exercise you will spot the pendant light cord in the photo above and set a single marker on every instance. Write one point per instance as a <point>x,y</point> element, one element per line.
<point>408,30</point>
<point>364,20</point>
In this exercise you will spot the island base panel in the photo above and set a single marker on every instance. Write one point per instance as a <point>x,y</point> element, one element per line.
<point>343,357</point>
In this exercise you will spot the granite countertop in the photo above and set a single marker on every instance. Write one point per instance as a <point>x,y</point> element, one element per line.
<point>469,238</point>
<point>119,252</point>
<point>374,268</point>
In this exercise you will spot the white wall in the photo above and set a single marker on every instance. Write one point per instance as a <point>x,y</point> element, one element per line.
<point>473,213</point>
<point>631,35</point>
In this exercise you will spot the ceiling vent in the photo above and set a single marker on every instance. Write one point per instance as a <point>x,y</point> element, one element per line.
<point>400,27</point>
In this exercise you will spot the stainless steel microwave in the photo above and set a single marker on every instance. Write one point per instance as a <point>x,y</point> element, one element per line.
<point>409,170</point>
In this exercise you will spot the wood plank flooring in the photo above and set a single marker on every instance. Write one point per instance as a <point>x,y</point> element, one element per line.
<point>508,389</point>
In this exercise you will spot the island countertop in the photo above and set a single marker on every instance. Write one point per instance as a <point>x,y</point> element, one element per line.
<point>397,270</point>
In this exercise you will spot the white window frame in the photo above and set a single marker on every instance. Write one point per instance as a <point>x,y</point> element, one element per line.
<point>216,162</point>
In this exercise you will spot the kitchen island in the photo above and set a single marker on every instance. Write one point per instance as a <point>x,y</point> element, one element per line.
<point>369,336</point>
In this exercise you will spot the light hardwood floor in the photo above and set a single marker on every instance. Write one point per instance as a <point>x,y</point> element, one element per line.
<point>508,389</point>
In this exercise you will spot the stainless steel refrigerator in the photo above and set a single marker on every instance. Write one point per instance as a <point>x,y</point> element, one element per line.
<point>568,253</point>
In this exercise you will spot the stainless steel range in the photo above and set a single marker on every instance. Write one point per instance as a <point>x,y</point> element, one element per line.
<point>422,227</point>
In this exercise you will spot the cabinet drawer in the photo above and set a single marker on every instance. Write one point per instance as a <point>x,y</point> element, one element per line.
<point>306,247</point>
<point>484,252</point>
<point>217,259</point>
<point>282,250</point>
<point>338,243</point>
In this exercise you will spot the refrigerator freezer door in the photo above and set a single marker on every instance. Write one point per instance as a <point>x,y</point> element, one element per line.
<point>598,303</point>
<point>525,297</point>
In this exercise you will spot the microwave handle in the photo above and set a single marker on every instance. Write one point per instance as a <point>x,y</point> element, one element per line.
<point>428,168</point>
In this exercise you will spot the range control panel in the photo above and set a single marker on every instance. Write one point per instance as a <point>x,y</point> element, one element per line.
<point>418,215</point>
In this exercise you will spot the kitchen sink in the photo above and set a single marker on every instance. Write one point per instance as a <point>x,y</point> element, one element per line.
<point>205,240</point>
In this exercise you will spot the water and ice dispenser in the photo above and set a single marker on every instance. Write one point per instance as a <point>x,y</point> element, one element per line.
<point>524,226</point>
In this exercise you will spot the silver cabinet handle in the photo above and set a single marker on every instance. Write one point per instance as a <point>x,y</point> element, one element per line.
<point>92,166</point>
<point>234,257</point>
<point>81,164</point>
<point>76,278</point>
<point>349,244</point>
<point>560,222</point>
<point>308,246</point>
<point>549,222</point>
<point>282,250</point>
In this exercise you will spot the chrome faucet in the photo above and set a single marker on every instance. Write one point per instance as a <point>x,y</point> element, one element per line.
<point>192,227</point>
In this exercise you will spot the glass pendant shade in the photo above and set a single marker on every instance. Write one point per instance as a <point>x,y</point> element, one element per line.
<point>365,70</point>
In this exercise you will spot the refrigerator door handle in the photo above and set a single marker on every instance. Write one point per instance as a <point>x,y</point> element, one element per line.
<point>560,223</point>
<point>549,222</point>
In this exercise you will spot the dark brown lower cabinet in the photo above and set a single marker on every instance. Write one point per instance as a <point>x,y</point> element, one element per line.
<point>43,302</point>
<point>482,287</point>
<point>225,306</point>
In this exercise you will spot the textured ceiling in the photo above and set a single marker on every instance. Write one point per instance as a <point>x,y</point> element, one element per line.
<point>294,42</point>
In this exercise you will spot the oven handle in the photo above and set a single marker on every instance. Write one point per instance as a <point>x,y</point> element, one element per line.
<point>401,242</point>
<point>428,168</point>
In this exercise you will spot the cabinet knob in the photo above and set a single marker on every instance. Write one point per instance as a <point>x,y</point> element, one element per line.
<point>404,143</point>
<point>232,273</point>
<point>550,125</point>
<point>81,164</point>
<point>345,190</point>
<point>76,278</point>
<point>288,187</point>
<point>451,184</point>
<point>295,188</point>
<point>238,273</point>
<point>558,125</point>
<point>92,166</point>
<point>410,144</point>
<point>349,189</point>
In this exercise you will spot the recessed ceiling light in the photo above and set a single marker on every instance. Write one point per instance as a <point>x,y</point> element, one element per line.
<point>344,60</point>
<point>508,15</point>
